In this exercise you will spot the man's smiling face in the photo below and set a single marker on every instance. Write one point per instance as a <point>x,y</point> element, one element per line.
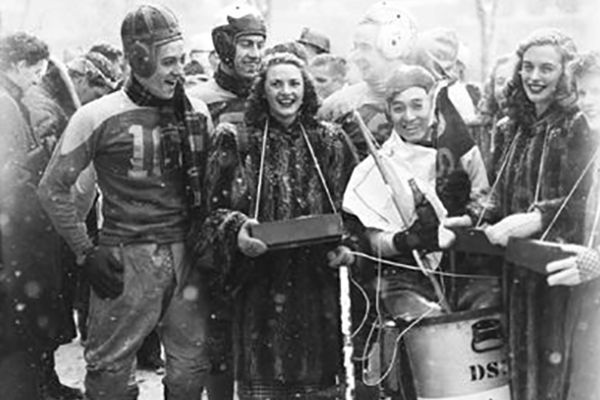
<point>170,59</point>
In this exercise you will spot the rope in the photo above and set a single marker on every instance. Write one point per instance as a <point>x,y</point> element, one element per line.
<point>594,226</point>
<point>319,172</point>
<point>395,353</point>
<point>570,194</point>
<point>511,150</point>
<point>367,309</point>
<point>378,321</point>
<point>261,168</point>
<point>538,184</point>
<point>414,268</point>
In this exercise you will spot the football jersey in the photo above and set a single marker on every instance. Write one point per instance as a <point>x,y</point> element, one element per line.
<point>224,106</point>
<point>139,172</point>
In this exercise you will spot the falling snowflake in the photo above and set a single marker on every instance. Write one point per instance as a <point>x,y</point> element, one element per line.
<point>33,290</point>
<point>190,293</point>
<point>279,298</point>
<point>555,358</point>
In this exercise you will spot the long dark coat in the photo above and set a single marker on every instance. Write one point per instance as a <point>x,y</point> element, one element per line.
<point>286,328</point>
<point>546,158</point>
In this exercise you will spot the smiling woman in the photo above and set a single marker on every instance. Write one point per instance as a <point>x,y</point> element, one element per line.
<point>542,148</point>
<point>541,72</point>
<point>284,89</point>
<point>285,308</point>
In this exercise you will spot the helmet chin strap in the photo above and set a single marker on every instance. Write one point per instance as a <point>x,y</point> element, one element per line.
<point>229,69</point>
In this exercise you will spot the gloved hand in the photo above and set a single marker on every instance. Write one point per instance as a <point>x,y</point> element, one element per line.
<point>251,247</point>
<point>456,192</point>
<point>104,272</point>
<point>520,225</point>
<point>341,256</point>
<point>572,271</point>
<point>423,233</point>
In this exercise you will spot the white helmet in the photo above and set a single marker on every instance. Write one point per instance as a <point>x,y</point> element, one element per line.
<point>398,28</point>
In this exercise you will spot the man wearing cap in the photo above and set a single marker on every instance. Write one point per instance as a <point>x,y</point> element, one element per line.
<point>64,89</point>
<point>115,56</point>
<point>412,157</point>
<point>382,41</point>
<point>329,72</point>
<point>314,42</point>
<point>239,39</point>
<point>147,144</point>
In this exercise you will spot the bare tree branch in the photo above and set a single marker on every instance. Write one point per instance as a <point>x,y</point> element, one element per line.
<point>486,13</point>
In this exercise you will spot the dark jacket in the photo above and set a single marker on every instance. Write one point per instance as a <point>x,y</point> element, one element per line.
<point>29,269</point>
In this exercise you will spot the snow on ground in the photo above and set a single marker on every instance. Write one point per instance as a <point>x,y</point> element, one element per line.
<point>71,370</point>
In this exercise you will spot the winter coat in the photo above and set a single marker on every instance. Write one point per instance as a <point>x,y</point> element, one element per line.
<point>224,106</point>
<point>541,166</point>
<point>51,104</point>
<point>285,302</point>
<point>31,314</point>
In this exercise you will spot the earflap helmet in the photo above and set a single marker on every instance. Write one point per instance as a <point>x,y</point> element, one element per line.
<point>235,21</point>
<point>143,31</point>
<point>398,29</point>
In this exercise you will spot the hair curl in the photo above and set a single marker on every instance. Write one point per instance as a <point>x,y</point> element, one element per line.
<point>519,106</point>
<point>488,106</point>
<point>257,110</point>
<point>588,63</point>
<point>295,48</point>
<point>21,46</point>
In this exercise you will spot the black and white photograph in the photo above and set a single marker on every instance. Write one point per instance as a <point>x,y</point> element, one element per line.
<point>300,200</point>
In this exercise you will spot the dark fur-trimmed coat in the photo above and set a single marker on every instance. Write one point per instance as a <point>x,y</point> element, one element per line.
<point>285,302</point>
<point>548,158</point>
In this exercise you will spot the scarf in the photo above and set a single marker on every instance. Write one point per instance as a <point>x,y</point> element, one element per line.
<point>191,127</point>
<point>238,86</point>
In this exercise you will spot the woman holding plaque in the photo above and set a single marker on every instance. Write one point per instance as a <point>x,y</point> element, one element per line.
<point>286,314</point>
<point>542,151</point>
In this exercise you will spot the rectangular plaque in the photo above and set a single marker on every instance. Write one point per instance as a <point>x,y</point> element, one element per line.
<point>300,231</point>
<point>534,254</point>
<point>471,240</point>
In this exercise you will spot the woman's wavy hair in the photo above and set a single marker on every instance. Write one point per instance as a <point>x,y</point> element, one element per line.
<point>519,106</point>
<point>257,110</point>
<point>488,106</point>
<point>588,63</point>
